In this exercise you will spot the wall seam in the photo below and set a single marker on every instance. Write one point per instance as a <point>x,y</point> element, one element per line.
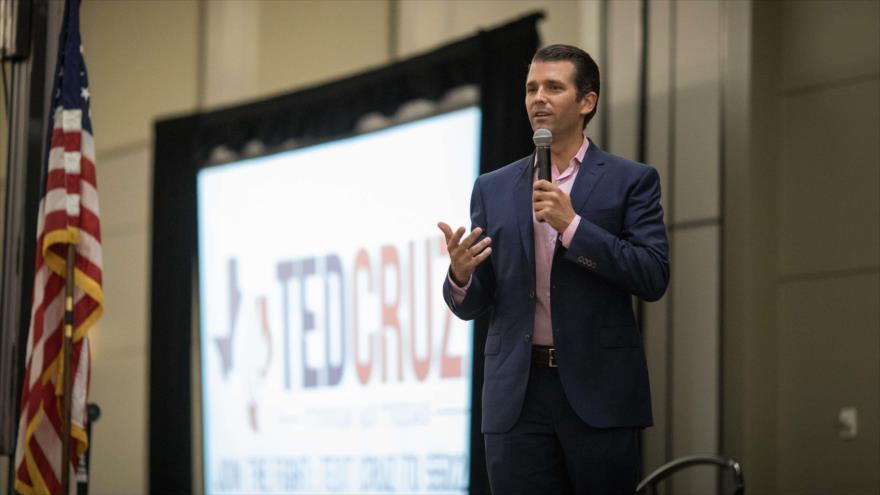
<point>670,296</point>
<point>201,53</point>
<point>835,84</point>
<point>604,124</point>
<point>117,151</point>
<point>642,153</point>
<point>827,274</point>
<point>722,150</point>
<point>393,30</point>
<point>696,223</point>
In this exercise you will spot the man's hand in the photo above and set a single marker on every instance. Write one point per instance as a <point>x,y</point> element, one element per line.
<point>552,205</point>
<point>464,255</point>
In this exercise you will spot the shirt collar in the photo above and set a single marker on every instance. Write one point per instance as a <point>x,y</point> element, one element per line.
<point>582,151</point>
<point>579,156</point>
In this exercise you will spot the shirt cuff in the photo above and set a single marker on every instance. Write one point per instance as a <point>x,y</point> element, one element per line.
<point>458,293</point>
<point>568,235</point>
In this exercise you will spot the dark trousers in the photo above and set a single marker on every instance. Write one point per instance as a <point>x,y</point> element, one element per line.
<point>550,450</point>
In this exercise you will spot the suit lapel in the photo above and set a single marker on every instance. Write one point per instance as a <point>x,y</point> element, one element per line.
<point>588,176</point>
<point>522,200</point>
<point>590,173</point>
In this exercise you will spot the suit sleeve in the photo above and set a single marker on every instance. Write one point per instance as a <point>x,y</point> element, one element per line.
<point>480,295</point>
<point>637,260</point>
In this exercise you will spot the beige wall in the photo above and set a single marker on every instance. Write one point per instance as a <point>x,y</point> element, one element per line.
<point>803,262</point>
<point>137,72</point>
<point>683,132</point>
<point>771,158</point>
<point>828,264</point>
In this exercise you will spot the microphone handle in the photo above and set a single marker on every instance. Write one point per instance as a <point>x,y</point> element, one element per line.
<point>543,162</point>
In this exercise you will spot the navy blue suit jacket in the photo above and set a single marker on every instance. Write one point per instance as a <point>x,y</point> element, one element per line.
<point>619,250</point>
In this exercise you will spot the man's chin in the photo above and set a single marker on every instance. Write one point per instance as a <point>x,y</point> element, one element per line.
<point>542,125</point>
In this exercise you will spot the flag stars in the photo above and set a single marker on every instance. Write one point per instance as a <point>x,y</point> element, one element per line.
<point>84,93</point>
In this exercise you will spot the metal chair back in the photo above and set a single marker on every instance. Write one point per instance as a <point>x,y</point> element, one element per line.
<point>649,484</point>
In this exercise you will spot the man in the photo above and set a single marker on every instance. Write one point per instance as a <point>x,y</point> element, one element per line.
<point>555,263</point>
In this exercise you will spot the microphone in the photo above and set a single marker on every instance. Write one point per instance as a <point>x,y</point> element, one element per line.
<point>542,139</point>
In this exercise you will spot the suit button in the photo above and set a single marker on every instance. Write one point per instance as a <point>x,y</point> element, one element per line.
<point>527,338</point>
<point>531,294</point>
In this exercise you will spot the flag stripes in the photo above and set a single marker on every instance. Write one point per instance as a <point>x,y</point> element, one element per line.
<point>68,215</point>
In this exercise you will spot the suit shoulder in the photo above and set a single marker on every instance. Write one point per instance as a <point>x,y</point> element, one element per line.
<point>626,166</point>
<point>505,174</point>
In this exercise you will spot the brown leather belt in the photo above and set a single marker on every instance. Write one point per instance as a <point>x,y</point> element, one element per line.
<point>544,356</point>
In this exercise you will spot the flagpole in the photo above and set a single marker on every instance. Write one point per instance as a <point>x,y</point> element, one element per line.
<point>67,380</point>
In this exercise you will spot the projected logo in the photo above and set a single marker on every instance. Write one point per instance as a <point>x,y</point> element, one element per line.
<point>397,348</point>
<point>254,327</point>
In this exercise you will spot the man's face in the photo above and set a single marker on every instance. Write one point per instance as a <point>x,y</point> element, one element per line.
<point>551,99</point>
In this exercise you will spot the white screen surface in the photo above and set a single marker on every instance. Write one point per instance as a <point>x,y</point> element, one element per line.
<point>330,363</point>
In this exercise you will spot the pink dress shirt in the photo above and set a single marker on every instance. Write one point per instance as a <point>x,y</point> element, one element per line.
<point>545,243</point>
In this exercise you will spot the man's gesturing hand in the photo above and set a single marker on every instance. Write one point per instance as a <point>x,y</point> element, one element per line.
<point>552,205</point>
<point>464,255</point>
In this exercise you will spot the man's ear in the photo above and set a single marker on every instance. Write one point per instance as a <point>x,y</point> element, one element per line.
<point>588,102</point>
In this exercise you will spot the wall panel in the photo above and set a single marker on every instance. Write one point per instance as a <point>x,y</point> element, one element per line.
<point>123,183</point>
<point>303,43</point>
<point>119,438</point>
<point>425,24</point>
<point>123,326</point>
<point>142,62</point>
<point>655,322</point>
<point>829,361</point>
<point>697,111</point>
<point>229,50</point>
<point>622,69</point>
<point>827,41</point>
<point>695,295</point>
<point>829,179</point>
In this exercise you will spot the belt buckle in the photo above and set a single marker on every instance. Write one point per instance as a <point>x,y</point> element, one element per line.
<point>551,361</point>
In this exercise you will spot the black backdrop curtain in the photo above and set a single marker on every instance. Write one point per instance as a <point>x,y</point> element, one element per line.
<point>496,61</point>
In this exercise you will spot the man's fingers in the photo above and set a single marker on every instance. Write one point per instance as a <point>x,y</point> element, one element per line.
<point>543,185</point>
<point>456,237</point>
<point>446,229</point>
<point>466,243</point>
<point>542,214</point>
<point>482,256</point>
<point>544,196</point>
<point>541,205</point>
<point>483,244</point>
<point>461,249</point>
<point>476,248</point>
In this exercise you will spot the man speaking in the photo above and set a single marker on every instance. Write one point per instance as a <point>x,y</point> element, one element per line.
<point>555,263</point>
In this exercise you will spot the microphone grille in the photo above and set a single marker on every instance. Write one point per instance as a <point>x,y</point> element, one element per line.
<point>543,137</point>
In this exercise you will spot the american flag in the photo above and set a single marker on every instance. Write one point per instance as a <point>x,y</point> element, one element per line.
<point>68,214</point>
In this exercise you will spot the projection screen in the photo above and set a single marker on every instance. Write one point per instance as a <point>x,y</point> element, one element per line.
<point>329,361</point>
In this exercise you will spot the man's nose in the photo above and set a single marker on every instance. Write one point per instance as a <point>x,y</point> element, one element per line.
<point>540,95</point>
